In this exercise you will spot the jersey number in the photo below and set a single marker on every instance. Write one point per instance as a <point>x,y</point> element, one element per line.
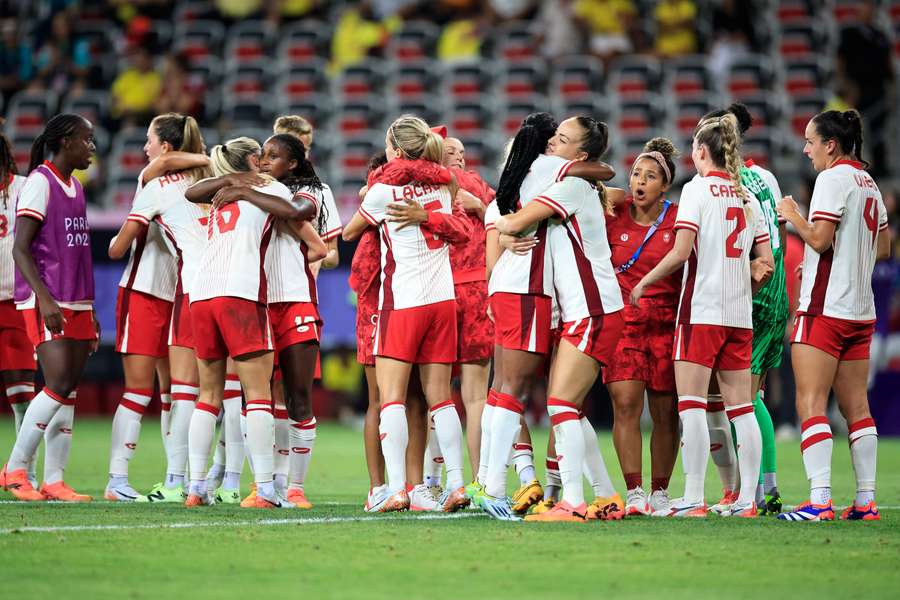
<point>432,240</point>
<point>226,218</point>
<point>735,214</point>
<point>4,226</point>
<point>870,214</point>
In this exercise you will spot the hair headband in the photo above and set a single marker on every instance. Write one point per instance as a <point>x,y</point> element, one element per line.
<point>658,157</point>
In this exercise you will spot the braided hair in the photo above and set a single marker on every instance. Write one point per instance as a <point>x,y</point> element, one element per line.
<point>303,175</point>
<point>720,135</point>
<point>50,140</point>
<point>843,127</point>
<point>529,143</point>
<point>7,165</point>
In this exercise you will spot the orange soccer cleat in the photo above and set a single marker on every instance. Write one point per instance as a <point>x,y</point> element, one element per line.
<point>611,508</point>
<point>194,500</point>
<point>16,483</point>
<point>297,497</point>
<point>60,492</point>
<point>561,512</point>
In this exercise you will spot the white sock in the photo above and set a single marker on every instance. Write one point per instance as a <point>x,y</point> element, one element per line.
<point>487,416</point>
<point>594,467</point>
<point>553,482</point>
<point>40,412</point>
<point>749,449</point>
<point>232,436</point>
<point>58,441</point>
<point>506,422</point>
<point>184,396</point>
<point>448,430</point>
<point>281,436</point>
<point>19,395</point>
<point>569,448</point>
<point>259,439</point>
<point>434,462</point>
<point>863,439</point>
<point>165,408</point>
<point>394,432</point>
<point>721,443</point>
<point>523,462</point>
<point>243,423</point>
<point>126,429</point>
<point>694,445</point>
<point>303,438</point>
<point>218,459</point>
<point>816,445</point>
<point>200,438</point>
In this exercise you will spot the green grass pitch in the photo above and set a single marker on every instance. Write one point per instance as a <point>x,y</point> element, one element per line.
<point>106,550</point>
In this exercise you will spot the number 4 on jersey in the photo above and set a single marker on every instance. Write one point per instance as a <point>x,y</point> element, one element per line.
<point>870,214</point>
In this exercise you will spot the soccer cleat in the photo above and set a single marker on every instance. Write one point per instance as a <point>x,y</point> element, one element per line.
<point>543,506</point>
<point>297,497</point>
<point>123,493</point>
<point>194,500</point>
<point>869,512</point>
<point>771,506</point>
<point>160,493</point>
<point>421,500</point>
<point>637,504</point>
<point>680,508</point>
<point>16,483</point>
<point>276,501</point>
<point>610,508</point>
<point>226,496</point>
<point>60,492</point>
<point>250,500</point>
<point>527,496</point>
<point>724,505</point>
<point>809,512</point>
<point>498,508</point>
<point>215,476</point>
<point>659,500</point>
<point>745,511</point>
<point>396,502</point>
<point>473,488</point>
<point>436,491</point>
<point>562,512</point>
<point>453,500</point>
<point>376,498</point>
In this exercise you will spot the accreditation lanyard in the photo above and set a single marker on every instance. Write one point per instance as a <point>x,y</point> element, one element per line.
<point>628,264</point>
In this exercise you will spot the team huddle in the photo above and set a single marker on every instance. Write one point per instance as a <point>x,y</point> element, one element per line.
<point>553,280</point>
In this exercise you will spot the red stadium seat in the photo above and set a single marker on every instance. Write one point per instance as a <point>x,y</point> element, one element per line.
<point>792,12</point>
<point>804,109</point>
<point>635,76</point>
<point>303,40</point>
<point>415,42</point>
<point>199,39</point>
<point>577,77</point>
<point>514,41</point>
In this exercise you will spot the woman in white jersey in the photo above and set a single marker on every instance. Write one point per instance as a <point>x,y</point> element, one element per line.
<point>17,364</point>
<point>417,311</point>
<point>229,314</point>
<point>718,225</point>
<point>846,233</point>
<point>147,291</point>
<point>590,302</point>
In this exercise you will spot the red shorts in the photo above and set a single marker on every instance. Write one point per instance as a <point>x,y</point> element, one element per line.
<point>79,325</point>
<point>521,322</point>
<point>841,338</point>
<point>230,326</point>
<point>142,324</point>
<point>596,336</point>
<point>474,330</point>
<point>16,349</point>
<point>644,352</point>
<point>419,335</point>
<point>366,322</point>
<point>294,323</point>
<point>181,330</point>
<point>714,346</point>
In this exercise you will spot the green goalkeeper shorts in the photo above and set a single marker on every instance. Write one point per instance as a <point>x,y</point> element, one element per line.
<point>768,344</point>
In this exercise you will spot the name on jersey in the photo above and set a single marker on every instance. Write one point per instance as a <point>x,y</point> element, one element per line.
<point>411,192</point>
<point>723,191</point>
<point>171,178</point>
<point>864,181</point>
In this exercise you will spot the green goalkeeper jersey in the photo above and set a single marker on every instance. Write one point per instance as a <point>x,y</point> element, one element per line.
<point>770,303</point>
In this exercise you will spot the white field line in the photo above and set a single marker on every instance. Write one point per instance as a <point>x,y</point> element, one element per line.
<point>245,523</point>
<point>147,504</point>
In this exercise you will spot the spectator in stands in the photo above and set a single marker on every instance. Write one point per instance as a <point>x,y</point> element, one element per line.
<point>559,32</point>
<point>291,10</point>
<point>15,60</point>
<point>136,90</point>
<point>63,57</point>
<point>232,11</point>
<point>512,10</point>
<point>609,22</point>
<point>676,33</point>
<point>864,64</point>
<point>357,35</point>
<point>181,92</point>
<point>734,35</point>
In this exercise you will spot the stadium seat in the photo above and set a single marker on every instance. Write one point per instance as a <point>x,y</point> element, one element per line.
<point>596,106</point>
<point>688,76</point>
<point>350,158</point>
<point>29,109</point>
<point>199,38</point>
<point>91,104</point>
<point>481,154</point>
<point>514,41</point>
<point>750,75</point>
<point>249,40</point>
<point>361,79</point>
<point>464,82</point>
<point>765,108</point>
<point>120,190</point>
<point>252,130</point>
<point>469,118</point>
<point>21,149</point>
<point>640,118</point>
<point>247,109</point>
<point>576,77</point>
<point>793,12</point>
<point>803,109</point>
<point>302,79</point>
<point>687,113</point>
<point>514,110</point>
<point>635,76</point>
<point>414,42</point>
<point>303,40</point>
<point>802,40</point>
<point>430,107</point>
<point>316,108</point>
<point>415,79</point>
<point>845,12</point>
<point>803,77</point>
<point>760,145</point>
<point>192,10</point>
<point>523,78</point>
<point>359,116</point>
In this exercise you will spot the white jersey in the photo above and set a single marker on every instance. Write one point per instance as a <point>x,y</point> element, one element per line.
<point>183,224</point>
<point>151,268</point>
<point>583,276</point>
<point>716,286</point>
<point>415,263</point>
<point>238,245</point>
<point>838,282</point>
<point>290,277</point>
<point>531,273</point>
<point>7,225</point>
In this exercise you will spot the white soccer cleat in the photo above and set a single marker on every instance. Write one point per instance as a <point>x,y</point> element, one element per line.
<point>636,504</point>
<point>680,508</point>
<point>421,499</point>
<point>123,493</point>
<point>723,506</point>
<point>376,498</point>
<point>659,501</point>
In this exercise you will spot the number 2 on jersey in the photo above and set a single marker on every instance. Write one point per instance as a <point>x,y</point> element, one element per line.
<point>870,215</point>
<point>4,226</point>
<point>734,213</point>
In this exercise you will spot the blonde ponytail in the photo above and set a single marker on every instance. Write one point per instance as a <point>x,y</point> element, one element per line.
<point>412,137</point>
<point>720,135</point>
<point>233,156</point>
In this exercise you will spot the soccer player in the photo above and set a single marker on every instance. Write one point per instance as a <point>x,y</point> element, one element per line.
<point>846,233</point>
<point>296,126</point>
<point>146,293</point>
<point>640,232</point>
<point>17,364</point>
<point>590,302</point>
<point>161,201</point>
<point>54,287</point>
<point>717,227</point>
<point>229,315</point>
<point>417,312</point>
